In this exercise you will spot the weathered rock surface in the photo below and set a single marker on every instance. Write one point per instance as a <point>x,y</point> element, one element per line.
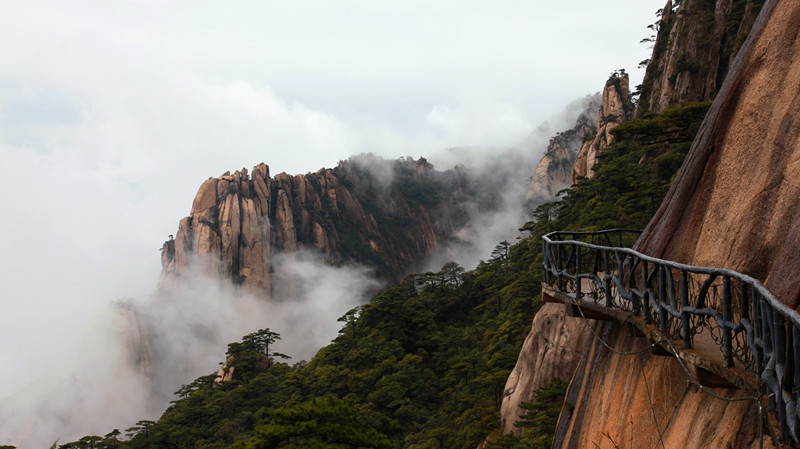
<point>736,201</point>
<point>694,46</point>
<point>612,396</point>
<point>227,372</point>
<point>554,171</point>
<point>346,213</point>
<point>615,109</point>
<point>552,349</point>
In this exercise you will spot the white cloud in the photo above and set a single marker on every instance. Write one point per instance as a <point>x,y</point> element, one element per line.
<point>479,123</point>
<point>124,362</point>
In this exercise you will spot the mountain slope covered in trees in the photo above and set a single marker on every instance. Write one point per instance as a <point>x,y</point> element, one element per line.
<point>423,364</point>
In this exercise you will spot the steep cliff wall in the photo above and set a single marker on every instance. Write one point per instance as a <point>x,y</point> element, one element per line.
<point>554,346</point>
<point>629,400</point>
<point>554,171</point>
<point>736,201</point>
<point>388,214</point>
<point>735,204</point>
<point>695,42</point>
<point>615,108</point>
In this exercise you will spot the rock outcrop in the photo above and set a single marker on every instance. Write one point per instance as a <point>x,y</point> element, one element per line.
<point>626,401</point>
<point>693,48</point>
<point>554,171</point>
<point>615,109</point>
<point>348,213</point>
<point>554,348</point>
<point>735,204</point>
<point>736,201</point>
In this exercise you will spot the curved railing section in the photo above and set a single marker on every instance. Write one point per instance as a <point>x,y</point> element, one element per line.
<point>752,328</point>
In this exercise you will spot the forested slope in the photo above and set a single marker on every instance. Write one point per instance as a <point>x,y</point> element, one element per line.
<point>423,364</point>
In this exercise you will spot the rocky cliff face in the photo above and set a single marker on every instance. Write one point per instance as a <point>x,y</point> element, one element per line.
<point>554,171</point>
<point>734,204</point>
<point>389,214</point>
<point>629,400</point>
<point>696,41</point>
<point>736,201</point>
<point>615,108</point>
<point>554,346</point>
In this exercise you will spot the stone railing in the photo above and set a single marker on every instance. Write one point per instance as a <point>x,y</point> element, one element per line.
<point>752,329</point>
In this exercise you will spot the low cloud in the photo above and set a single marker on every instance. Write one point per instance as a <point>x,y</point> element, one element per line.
<point>478,123</point>
<point>134,354</point>
<point>502,176</point>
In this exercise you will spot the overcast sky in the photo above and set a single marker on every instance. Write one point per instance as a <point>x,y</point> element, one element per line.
<point>113,112</point>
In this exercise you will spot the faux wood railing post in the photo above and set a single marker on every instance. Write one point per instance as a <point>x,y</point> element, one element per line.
<point>727,317</point>
<point>796,380</point>
<point>685,320</point>
<point>662,293</point>
<point>559,270</point>
<point>646,295</point>
<point>779,348</point>
<point>546,262</point>
<point>758,326</point>
<point>607,279</point>
<point>577,272</point>
<point>788,379</point>
<point>767,340</point>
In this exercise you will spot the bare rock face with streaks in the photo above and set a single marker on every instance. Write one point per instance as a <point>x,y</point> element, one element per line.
<point>735,203</point>
<point>615,109</point>
<point>693,49</point>
<point>645,400</point>
<point>552,349</point>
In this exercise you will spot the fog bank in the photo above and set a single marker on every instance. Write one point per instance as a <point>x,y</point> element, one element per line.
<point>133,355</point>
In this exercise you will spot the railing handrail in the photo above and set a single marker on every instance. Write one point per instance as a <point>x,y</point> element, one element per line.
<point>785,311</point>
<point>771,330</point>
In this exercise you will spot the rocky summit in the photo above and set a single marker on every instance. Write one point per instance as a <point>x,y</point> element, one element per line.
<point>387,214</point>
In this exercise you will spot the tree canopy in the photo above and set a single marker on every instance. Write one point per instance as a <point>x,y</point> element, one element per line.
<point>423,364</point>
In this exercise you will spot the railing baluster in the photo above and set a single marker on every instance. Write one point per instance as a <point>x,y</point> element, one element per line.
<point>758,338</point>
<point>662,293</point>
<point>673,302</point>
<point>560,274</point>
<point>793,388</point>
<point>577,272</point>
<point>745,306</point>
<point>779,348</point>
<point>769,359</point>
<point>788,381</point>
<point>632,278</point>
<point>727,316</point>
<point>545,262</point>
<point>607,279</point>
<point>685,320</point>
<point>645,293</point>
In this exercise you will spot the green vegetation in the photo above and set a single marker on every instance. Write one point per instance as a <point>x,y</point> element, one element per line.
<point>423,364</point>
<point>326,422</point>
<point>632,175</point>
<point>389,245</point>
<point>539,421</point>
